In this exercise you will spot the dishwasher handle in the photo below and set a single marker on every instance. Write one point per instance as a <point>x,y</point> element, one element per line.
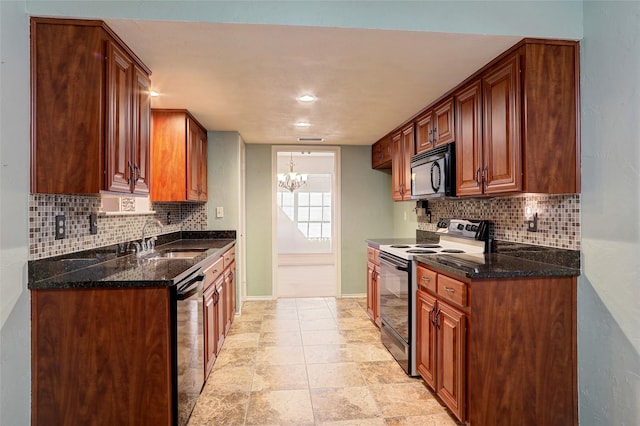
<point>190,286</point>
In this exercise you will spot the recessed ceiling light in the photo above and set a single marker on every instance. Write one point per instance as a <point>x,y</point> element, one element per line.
<point>306,98</point>
<point>154,94</point>
<point>302,124</point>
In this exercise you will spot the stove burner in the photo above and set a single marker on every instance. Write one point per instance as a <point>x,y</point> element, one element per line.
<point>427,246</point>
<point>421,251</point>
<point>400,246</point>
<point>451,251</point>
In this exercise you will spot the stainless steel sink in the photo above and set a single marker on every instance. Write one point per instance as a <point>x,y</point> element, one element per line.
<point>176,254</point>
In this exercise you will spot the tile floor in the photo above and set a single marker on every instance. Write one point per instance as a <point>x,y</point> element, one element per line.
<point>311,362</point>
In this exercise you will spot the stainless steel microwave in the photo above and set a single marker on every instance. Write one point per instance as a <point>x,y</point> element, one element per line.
<point>433,173</point>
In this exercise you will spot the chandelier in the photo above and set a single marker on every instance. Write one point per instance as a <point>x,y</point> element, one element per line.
<point>292,180</point>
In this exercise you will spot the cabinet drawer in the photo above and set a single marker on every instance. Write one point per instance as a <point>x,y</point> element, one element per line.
<point>372,255</point>
<point>452,290</point>
<point>426,278</point>
<point>212,272</point>
<point>229,257</point>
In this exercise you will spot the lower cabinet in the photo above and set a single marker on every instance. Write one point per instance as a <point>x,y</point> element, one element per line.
<point>499,350</point>
<point>373,294</point>
<point>441,350</point>
<point>219,296</point>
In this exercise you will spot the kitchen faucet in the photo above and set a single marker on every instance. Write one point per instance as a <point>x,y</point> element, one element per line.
<point>145,246</point>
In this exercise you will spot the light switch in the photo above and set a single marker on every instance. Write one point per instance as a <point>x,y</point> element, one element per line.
<point>219,212</point>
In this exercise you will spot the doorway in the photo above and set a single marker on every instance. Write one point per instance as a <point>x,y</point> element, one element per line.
<point>306,222</point>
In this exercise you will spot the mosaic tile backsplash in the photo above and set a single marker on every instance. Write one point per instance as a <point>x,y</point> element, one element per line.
<point>558,217</point>
<point>111,229</point>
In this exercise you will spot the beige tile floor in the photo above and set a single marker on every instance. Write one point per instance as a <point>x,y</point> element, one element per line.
<point>311,362</point>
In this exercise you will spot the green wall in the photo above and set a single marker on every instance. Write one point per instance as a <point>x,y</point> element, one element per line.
<point>223,151</point>
<point>367,212</point>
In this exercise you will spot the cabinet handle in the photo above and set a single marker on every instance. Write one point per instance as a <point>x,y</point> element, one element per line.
<point>136,173</point>
<point>130,172</point>
<point>485,175</point>
<point>449,289</point>
<point>478,176</point>
<point>431,318</point>
<point>436,319</point>
<point>426,279</point>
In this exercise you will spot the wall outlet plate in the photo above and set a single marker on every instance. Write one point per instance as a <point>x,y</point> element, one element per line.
<point>93,223</point>
<point>61,227</point>
<point>219,212</point>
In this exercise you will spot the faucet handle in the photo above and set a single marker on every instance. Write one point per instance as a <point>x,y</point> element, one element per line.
<point>137,246</point>
<point>152,243</point>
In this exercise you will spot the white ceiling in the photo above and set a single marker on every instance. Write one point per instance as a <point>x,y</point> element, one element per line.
<point>247,77</point>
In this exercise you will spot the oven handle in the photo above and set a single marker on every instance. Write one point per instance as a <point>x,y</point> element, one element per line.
<point>187,289</point>
<point>404,266</point>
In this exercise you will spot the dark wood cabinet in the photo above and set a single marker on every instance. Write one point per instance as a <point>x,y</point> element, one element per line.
<point>441,342</point>
<point>211,306</point>
<point>381,153</point>
<point>373,288</point>
<point>402,144</point>
<point>89,112</point>
<point>529,109</point>
<point>435,127</point>
<point>101,356</point>
<point>499,351</point>
<point>179,153</point>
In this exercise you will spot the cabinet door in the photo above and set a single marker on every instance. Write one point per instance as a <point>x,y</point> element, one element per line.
<point>424,132</point>
<point>426,338</point>
<point>371,290</point>
<point>221,312</point>
<point>119,96</point>
<point>141,130</point>
<point>210,329</point>
<point>397,159</point>
<point>196,164</point>
<point>469,140</point>
<point>501,142</point>
<point>408,144</point>
<point>376,296</point>
<point>444,131</point>
<point>229,283</point>
<point>451,367</point>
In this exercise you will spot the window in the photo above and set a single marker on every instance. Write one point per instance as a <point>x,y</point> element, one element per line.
<point>310,210</point>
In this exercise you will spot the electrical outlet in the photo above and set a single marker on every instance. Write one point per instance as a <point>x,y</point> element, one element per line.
<point>61,227</point>
<point>219,212</point>
<point>93,223</point>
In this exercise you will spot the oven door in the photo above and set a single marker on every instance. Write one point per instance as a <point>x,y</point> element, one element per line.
<point>395,308</point>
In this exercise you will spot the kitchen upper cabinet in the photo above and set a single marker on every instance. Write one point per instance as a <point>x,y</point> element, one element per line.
<point>402,144</point>
<point>381,153</point>
<point>89,110</point>
<point>435,127</point>
<point>196,161</point>
<point>517,124</point>
<point>179,153</point>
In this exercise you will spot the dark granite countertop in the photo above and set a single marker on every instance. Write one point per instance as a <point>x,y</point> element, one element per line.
<point>506,259</point>
<point>115,267</point>
<point>495,265</point>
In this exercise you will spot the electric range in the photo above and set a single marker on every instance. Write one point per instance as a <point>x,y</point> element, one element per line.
<point>397,285</point>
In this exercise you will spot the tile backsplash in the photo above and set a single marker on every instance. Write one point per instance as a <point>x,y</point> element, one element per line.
<point>558,217</point>
<point>111,229</point>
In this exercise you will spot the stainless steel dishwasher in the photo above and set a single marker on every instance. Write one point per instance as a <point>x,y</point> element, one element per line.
<point>189,345</point>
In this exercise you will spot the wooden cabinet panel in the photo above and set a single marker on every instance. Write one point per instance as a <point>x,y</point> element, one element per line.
<point>381,153</point>
<point>85,114</point>
<point>402,151</point>
<point>424,132</point>
<point>373,293</point>
<point>230,296</point>
<point>141,128</point>
<point>451,369</point>
<point>435,127</point>
<point>426,278</point>
<point>210,315</point>
<point>101,356</point>
<point>452,290</point>
<point>426,338</point>
<point>221,311</point>
<point>501,142</point>
<point>179,148</point>
<point>469,140</point>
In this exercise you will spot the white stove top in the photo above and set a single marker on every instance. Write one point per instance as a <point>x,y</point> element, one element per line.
<point>456,238</point>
